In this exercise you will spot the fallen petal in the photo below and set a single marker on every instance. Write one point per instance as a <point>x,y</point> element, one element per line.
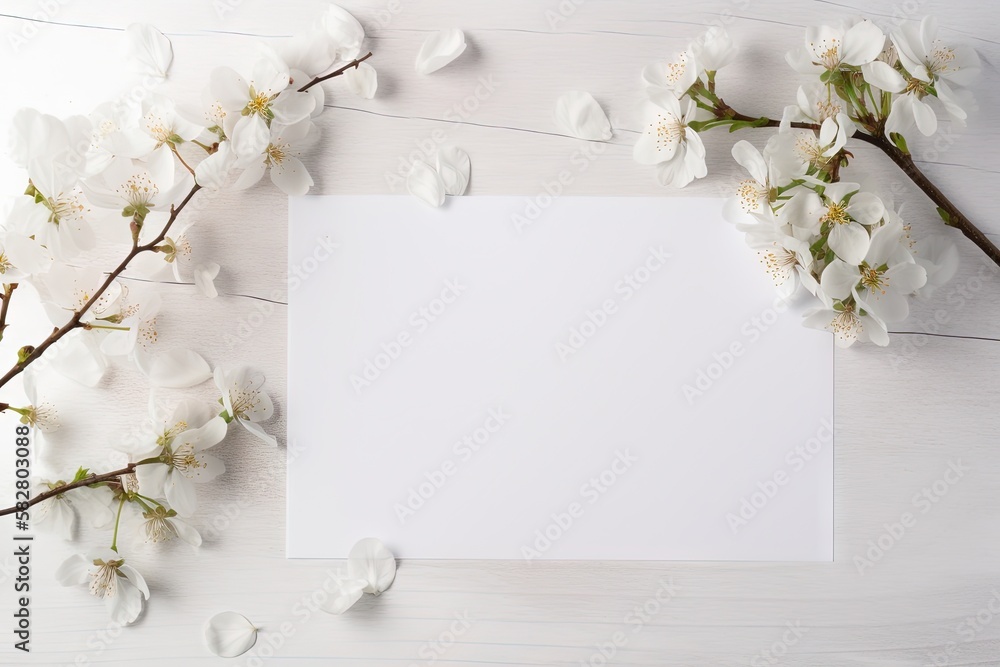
<point>425,183</point>
<point>454,167</point>
<point>362,80</point>
<point>178,369</point>
<point>579,114</point>
<point>150,48</point>
<point>345,593</point>
<point>371,562</point>
<point>229,634</point>
<point>440,49</point>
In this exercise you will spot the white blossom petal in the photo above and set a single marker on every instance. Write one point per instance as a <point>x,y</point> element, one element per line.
<point>372,563</point>
<point>150,48</point>
<point>229,634</point>
<point>258,431</point>
<point>579,114</point>
<point>850,242</point>
<point>881,75</point>
<point>178,369</point>
<point>74,571</point>
<point>839,278</point>
<point>345,593</point>
<point>362,81</point>
<point>454,167</point>
<point>440,49</point>
<point>425,183</point>
<point>204,278</point>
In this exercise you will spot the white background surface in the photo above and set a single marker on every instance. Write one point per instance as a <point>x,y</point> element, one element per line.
<point>903,413</point>
<point>600,446</point>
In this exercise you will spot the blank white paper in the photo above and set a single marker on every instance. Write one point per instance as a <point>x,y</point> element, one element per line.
<point>576,378</point>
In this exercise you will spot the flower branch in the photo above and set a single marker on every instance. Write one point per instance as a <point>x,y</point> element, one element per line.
<point>8,292</point>
<point>89,480</point>
<point>326,77</point>
<point>75,322</point>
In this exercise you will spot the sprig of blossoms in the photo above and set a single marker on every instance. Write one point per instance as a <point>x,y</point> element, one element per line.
<point>812,231</point>
<point>121,177</point>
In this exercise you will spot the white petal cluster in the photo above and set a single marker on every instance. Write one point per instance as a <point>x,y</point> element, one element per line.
<point>673,113</point>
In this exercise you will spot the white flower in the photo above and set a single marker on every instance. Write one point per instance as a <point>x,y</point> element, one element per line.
<point>215,170</point>
<point>21,253</point>
<point>139,188</point>
<point>251,105</point>
<point>135,312</point>
<point>925,57</point>
<point>829,47</point>
<point>59,513</point>
<point>439,49</point>
<point>754,194</point>
<point>177,256</point>
<point>714,49</point>
<point>785,259</point>
<point>676,76</point>
<point>161,122</point>
<point>161,525</point>
<point>846,323</point>
<point>881,282</point>
<point>842,213</point>
<point>668,142</point>
<point>182,435</point>
<point>41,415</point>
<point>812,106</point>
<point>245,400</point>
<point>54,153</point>
<point>120,585</point>
<point>926,68</point>
<point>286,145</point>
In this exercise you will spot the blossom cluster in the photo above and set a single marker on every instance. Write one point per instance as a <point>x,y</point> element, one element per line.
<point>845,246</point>
<point>120,178</point>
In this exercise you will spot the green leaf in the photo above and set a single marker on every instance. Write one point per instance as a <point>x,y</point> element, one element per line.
<point>743,124</point>
<point>899,141</point>
<point>81,473</point>
<point>944,216</point>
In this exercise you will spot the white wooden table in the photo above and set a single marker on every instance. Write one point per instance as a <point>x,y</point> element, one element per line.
<point>904,414</point>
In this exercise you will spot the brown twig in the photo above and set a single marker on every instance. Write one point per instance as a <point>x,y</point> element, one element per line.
<point>75,321</point>
<point>86,481</point>
<point>8,291</point>
<point>337,72</point>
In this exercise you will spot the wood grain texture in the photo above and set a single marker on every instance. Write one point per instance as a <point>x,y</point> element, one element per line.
<point>904,414</point>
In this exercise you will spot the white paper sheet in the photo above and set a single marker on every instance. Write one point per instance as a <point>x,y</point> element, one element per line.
<point>595,378</point>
